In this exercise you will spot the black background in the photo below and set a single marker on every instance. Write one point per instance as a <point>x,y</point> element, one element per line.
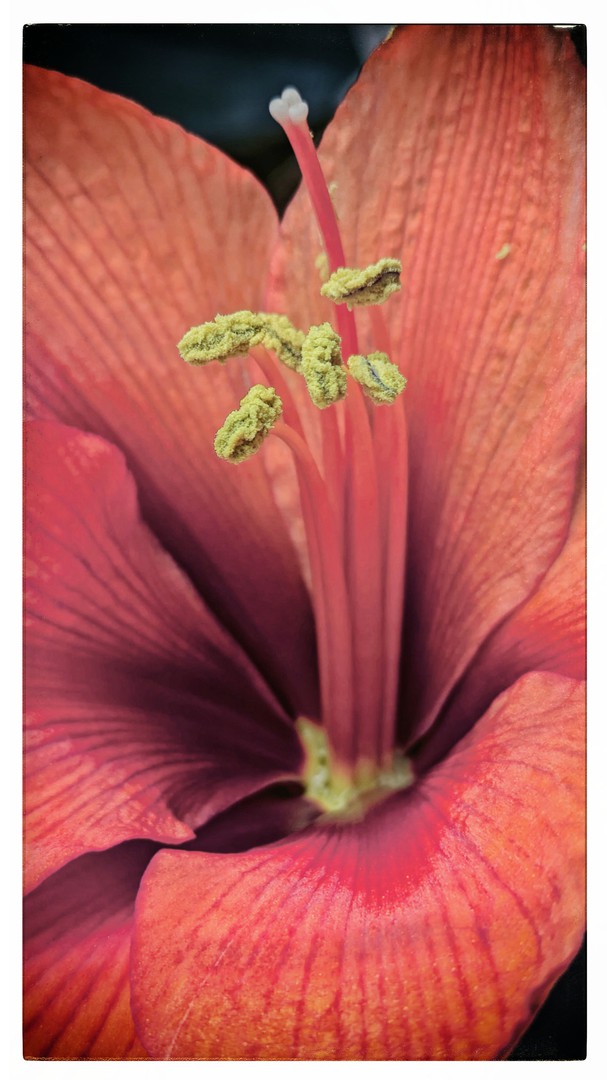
<point>216,81</point>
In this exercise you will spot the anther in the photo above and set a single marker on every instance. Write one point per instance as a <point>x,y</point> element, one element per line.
<point>321,366</point>
<point>279,335</point>
<point>226,336</point>
<point>372,285</point>
<point>237,334</point>
<point>245,429</point>
<point>379,377</point>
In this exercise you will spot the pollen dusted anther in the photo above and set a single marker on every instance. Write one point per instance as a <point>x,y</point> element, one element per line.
<point>321,366</point>
<point>379,377</point>
<point>284,339</point>
<point>225,336</point>
<point>352,755</point>
<point>371,285</point>
<point>316,355</point>
<point>235,335</point>
<point>244,430</point>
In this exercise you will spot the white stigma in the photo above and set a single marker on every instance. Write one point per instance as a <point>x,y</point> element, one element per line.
<point>289,107</point>
<point>291,96</point>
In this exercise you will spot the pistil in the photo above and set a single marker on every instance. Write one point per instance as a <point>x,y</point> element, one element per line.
<point>292,114</point>
<point>353,502</point>
<point>362,527</point>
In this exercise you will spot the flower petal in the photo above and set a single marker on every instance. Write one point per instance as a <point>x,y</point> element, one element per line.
<point>144,717</point>
<point>77,939</point>
<point>548,633</point>
<point>263,818</point>
<point>460,150</point>
<point>432,929</point>
<point>135,232</point>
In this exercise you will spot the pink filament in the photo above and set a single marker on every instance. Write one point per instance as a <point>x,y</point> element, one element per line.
<point>359,610</point>
<point>392,453</point>
<point>330,597</point>
<point>316,185</point>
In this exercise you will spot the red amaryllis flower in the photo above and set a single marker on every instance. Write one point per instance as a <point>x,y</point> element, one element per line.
<point>412,884</point>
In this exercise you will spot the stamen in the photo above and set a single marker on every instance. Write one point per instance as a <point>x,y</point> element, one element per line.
<point>330,601</point>
<point>391,457</point>
<point>237,334</point>
<point>226,336</point>
<point>355,533</point>
<point>372,285</point>
<point>379,377</point>
<point>361,529</point>
<point>245,429</point>
<point>322,367</point>
<point>279,335</point>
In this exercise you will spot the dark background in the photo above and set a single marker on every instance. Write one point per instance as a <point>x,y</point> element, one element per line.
<point>216,81</point>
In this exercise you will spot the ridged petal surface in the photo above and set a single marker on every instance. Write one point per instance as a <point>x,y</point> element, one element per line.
<point>144,718</point>
<point>77,930</point>
<point>136,231</point>
<point>461,151</point>
<point>434,927</point>
<point>547,633</point>
<point>430,930</point>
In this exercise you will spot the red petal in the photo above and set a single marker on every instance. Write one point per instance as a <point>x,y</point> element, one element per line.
<point>135,232</point>
<point>144,717</point>
<point>431,929</point>
<point>77,940</point>
<point>454,142</point>
<point>263,818</point>
<point>549,631</point>
<point>546,634</point>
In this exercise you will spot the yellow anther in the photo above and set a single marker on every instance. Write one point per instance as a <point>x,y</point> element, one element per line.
<point>321,365</point>
<point>244,430</point>
<point>283,338</point>
<point>227,335</point>
<point>372,285</point>
<point>379,377</point>
<point>237,334</point>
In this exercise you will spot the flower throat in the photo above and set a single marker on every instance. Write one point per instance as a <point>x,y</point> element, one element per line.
<point>353,499</point>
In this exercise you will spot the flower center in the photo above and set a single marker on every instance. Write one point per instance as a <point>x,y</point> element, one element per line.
<point>353,497</point>
<point>340,792</point>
